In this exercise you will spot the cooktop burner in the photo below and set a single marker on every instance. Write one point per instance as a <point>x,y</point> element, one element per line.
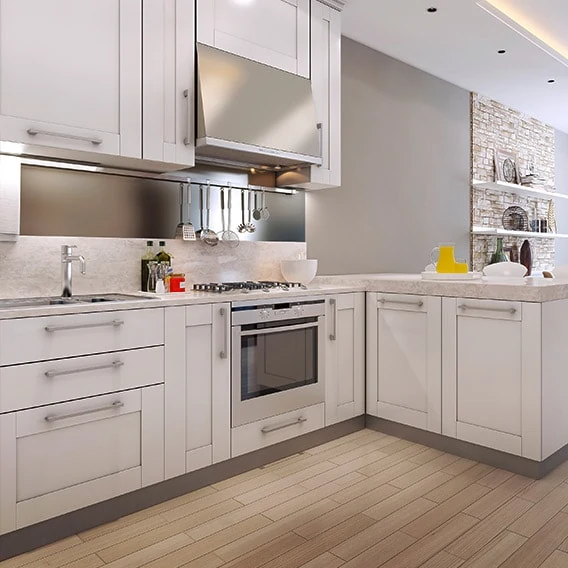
<point>248,286</point>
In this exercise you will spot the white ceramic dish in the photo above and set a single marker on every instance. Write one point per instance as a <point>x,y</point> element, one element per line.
<point>452,276</point>
<point>302,271</point>
<point>505,270</point>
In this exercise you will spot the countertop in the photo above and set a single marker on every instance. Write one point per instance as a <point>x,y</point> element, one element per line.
<point>539,290</point>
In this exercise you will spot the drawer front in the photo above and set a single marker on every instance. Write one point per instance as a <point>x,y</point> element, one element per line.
<point>276,429</point>
<point>54,337</point>
<point>71,443</point>
<point>49,382</point>
<point>490,309</point>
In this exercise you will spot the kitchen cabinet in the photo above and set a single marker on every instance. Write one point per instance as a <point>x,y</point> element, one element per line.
<point>208,385</point>
<point>70,75</point>
<point>344,357</point>
<point>492,374</point>
<point>404,359</point>
<point>81,413</point>
<point>273,32</point>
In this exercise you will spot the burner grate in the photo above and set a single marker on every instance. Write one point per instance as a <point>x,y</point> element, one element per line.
<point>247,286</point>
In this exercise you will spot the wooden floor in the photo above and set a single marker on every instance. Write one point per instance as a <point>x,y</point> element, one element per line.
<point>364,500</point>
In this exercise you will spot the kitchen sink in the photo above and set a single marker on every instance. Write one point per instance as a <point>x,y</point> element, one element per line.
<point>15,303</point>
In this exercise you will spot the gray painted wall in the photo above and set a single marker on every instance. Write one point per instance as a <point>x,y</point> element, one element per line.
<point>406,143</point>
<point>561,205</point>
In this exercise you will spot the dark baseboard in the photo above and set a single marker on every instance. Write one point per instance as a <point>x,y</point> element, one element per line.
<point>516,464</point>
<point>49,531</point>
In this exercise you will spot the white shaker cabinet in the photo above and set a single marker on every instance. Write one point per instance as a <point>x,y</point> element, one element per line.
<point>198,387</point>
<point>345,357</point>
<point>404,359</point>
<point>70,75</point>
<point>273,32</point>
<point>492,374</point>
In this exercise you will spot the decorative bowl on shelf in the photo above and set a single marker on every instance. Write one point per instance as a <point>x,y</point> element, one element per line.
<point>505,270</point>
<point>302,271</point>
<point>515,218</point>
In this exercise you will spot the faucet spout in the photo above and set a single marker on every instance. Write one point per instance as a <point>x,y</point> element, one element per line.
<point>67,268</point>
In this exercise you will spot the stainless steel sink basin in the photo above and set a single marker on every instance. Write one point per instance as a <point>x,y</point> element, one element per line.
<point>15,303</point>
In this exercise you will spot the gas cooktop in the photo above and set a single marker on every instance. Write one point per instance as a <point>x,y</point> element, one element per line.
<point>248,286</point>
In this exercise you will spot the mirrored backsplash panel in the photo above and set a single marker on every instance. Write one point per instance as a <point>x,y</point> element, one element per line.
<point>57,202</point>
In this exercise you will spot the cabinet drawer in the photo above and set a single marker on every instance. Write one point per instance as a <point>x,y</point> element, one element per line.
<point>491,309</point>
<point>55,337</point>
<point>276,429</point>
<point>48,382</point>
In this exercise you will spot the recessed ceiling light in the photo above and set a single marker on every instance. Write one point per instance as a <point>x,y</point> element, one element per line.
<point>501,51</point>
<point>552,80</point>
<point>432,10</point>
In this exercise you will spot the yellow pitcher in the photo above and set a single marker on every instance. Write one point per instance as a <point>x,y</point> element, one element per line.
<point>447,263</point>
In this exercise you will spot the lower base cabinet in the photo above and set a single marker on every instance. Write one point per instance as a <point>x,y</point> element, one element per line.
<point>62,457</point>
<point>404,359</point>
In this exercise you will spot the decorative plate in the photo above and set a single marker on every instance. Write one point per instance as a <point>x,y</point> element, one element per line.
<point>515,218</point>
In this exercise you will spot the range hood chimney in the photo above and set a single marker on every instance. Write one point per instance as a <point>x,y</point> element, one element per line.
<point>253,115</point>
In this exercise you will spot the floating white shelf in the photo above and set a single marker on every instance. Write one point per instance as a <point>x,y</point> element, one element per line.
<point>527,234</point>
<point>518,189</point>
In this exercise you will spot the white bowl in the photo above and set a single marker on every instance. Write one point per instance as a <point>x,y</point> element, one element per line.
<point>505,270</point>
<point>302,271</point>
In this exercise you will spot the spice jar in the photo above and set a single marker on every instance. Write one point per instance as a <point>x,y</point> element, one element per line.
<point>177,282</point>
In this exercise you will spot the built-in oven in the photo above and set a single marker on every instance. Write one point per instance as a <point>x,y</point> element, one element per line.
<point>277,357</point>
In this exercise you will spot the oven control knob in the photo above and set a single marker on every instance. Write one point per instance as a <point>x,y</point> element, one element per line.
<point>264,314</point>
<point>298,311</point>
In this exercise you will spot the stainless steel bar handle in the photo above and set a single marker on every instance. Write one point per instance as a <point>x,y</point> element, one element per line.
<point>418,304</point>
<point>333,334</point>
<point>56,417</point>
<point>224,352</point>
<point>113,365</point>
<point>267,429</point>
<point>488,309</point>
<point>36,131</point>
<point>187,140</point>
<point>319,126</point>
<point>278,329</point>
<point>113,323</point>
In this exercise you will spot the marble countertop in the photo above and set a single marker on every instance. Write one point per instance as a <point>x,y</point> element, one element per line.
<point>537,290</point>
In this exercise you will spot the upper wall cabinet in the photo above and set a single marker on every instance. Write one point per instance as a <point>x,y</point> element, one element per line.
<point>273,32</point>
<point>70,75</point>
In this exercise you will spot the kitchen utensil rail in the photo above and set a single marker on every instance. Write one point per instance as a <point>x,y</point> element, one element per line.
<point>254,188</point>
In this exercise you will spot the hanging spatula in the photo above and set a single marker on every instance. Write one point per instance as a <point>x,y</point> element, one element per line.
<point>185,230</point>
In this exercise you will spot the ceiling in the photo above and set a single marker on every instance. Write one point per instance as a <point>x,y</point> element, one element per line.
<point>459,44</point>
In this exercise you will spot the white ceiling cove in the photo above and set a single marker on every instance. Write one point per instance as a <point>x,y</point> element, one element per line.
<point>459,44</point>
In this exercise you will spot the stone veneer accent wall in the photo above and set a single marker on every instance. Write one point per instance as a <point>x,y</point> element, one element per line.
<point>494,125</point>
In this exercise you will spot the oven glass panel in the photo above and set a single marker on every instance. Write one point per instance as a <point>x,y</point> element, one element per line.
<point>278,361</point>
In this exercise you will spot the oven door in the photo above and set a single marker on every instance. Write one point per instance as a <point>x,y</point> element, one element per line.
<point>277,367</point>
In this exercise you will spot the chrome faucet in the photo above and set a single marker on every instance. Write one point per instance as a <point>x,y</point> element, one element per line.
<point>67,268</point>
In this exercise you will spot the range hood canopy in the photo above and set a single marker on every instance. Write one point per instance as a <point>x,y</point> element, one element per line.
<point>253,115</point>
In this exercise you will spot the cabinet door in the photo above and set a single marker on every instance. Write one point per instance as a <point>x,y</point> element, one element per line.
<point>59,458</point>
<point>273,32</point>
<point>345,357</point>
<point>168,81</point>
<point>404,359</point>
<point>487,377</point>
<point>70,75</point>
<point>208,385</point>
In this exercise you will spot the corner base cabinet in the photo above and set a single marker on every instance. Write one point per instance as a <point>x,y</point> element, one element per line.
<point>344,357</point>
<point>404,359</point>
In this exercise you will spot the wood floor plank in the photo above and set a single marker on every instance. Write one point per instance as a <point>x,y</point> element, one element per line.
<point>359,436</point>
<point>459,482</point>
<point>441,513</point>
<point>427,547</point>
<point>494,553</point>
<point>459,466</point>
<point>243,545</point>
<point>209,561</point>
<point>402,498</point>
<point>349,479</point>
<point>325,560</point>
<point>344,512</point>
<point>541,545</point>
<point>380,530</point>
<point>40,553</point>
<point>423,471</point>
<point>392,459</point>
<point>321,543</point>
<point>498,496</point>
<point>267,552</point>
<point>534,519</point>
<point>443,560</point>
<point>557,559</point>
<point>496,478</point>
<point>483,533</point>
<point>381,552</point>
<point>542,487</point>
<point>427,456</point>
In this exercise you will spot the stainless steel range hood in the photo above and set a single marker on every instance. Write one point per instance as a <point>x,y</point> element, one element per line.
<point>253,115</point>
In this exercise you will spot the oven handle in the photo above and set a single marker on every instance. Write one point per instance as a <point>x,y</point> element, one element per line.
<point>278,329</point>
